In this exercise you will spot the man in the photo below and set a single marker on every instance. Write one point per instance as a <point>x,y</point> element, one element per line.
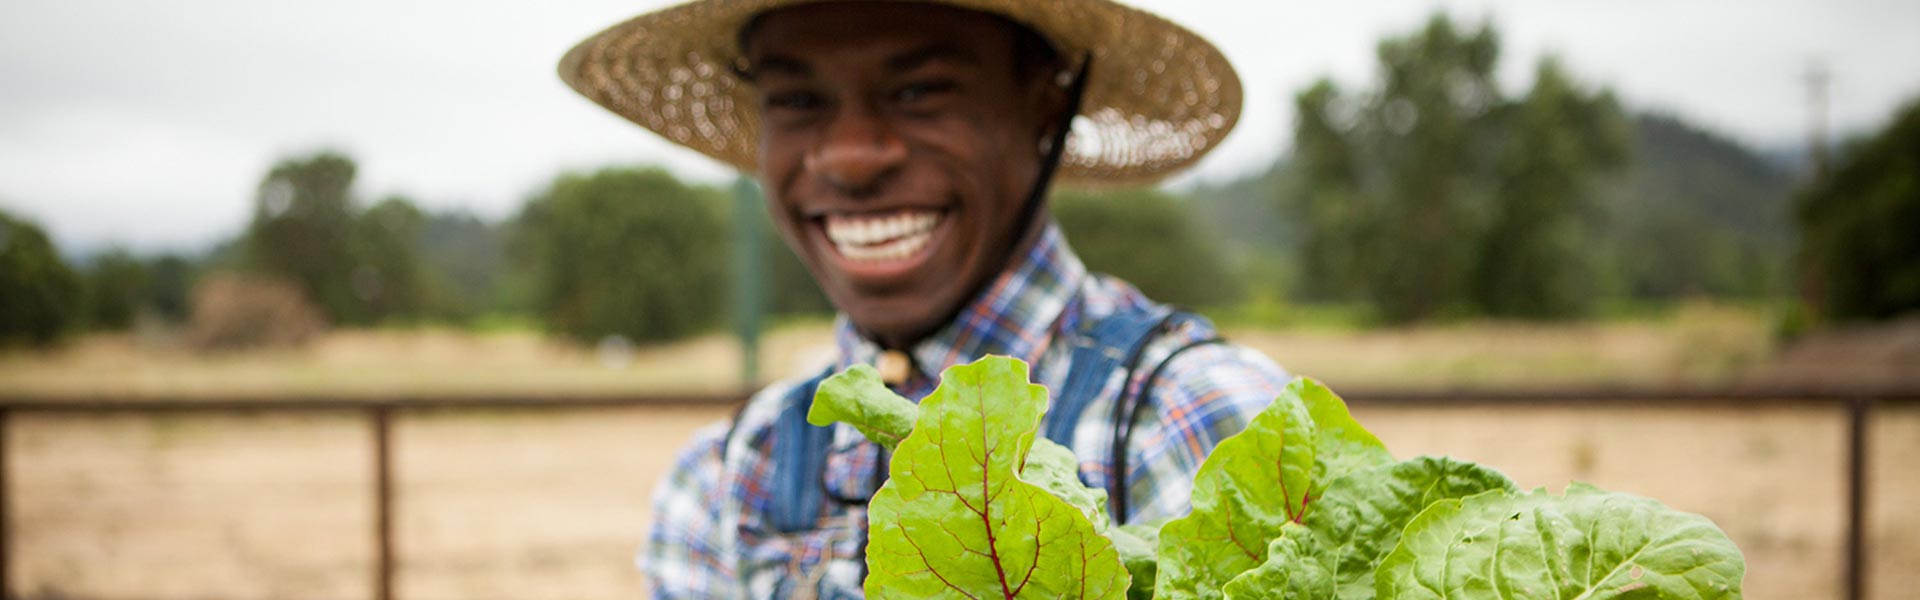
<point>905,149</point>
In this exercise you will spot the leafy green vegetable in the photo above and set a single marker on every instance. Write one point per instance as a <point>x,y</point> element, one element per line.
<point>956,520</point>
<point>1589,543</point>
<point>1341,445</point>
<point>1137,543</point>
<point>1355,525</point>
<point>859,398</point>
<point>1304,503</point>
<point>1258,481</point>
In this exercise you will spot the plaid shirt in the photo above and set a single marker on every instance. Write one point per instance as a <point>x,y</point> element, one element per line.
<point>709,539</point>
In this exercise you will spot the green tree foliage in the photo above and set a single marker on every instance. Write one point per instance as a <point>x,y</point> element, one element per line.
<point>789,287</point>
<point>39,293</point>
<point>302,219</point>
<point>1860,253</point>
<point>359,266</point>
<point>1535,259</point>
<point>170,280</point>
<point>626,251</point>
<point>116,290</point>
<point>465,263</point>
<point>1395,181</point>
<point>387,279</point>
<point>1430,193</point>
<point>1697,214</point>
<point>1150,239</point>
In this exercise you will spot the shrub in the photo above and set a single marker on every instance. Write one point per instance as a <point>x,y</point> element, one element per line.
<point>39,293</point>
<point>235,312</point>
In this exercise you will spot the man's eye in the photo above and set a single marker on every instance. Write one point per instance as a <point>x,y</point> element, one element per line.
<point>797,100</point>
<point>917,92</point>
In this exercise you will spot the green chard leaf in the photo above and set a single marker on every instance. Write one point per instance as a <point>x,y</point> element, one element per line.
<point>1256,482</point>
<point>1589,543</point>
<point>1137,543</point>
<point>1343,446</point>
<point>1251,485</point>
<point>859,398</point>
<point>1334,552</point>
<point>958,520</point>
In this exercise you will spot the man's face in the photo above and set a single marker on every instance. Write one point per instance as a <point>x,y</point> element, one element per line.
<point>899,143</point>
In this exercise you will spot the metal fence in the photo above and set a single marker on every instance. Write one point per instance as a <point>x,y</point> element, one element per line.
<point>1858,404</point>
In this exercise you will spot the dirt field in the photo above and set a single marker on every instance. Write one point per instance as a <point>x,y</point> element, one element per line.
<point>519,505</point>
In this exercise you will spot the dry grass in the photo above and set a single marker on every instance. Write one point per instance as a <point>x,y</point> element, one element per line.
<point>391,362</point>
<point>1697,345</point>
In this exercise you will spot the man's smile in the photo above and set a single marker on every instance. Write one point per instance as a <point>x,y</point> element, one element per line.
<point>881,237</point>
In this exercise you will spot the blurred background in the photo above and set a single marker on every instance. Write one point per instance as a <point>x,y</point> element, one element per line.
<point>263,265</point>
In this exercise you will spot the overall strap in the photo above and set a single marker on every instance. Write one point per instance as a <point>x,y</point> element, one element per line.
<point>1125,416</point>
<point>799,460</point>
<point>1106,345</point>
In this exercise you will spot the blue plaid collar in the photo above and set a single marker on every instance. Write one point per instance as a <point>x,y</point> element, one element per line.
<point>1014,316</point>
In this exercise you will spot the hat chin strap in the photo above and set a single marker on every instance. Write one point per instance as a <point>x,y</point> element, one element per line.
<point>1056,151</point>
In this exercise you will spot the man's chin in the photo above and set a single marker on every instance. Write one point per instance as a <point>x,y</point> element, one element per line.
<point>898,320</point>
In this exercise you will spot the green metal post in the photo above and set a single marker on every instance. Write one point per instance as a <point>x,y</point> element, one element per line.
<point>749,278</point>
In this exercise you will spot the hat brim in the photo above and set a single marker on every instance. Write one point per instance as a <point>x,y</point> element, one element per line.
<point>1158,96</point>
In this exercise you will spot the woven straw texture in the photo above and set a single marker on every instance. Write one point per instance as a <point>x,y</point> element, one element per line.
<point>1158,96</point>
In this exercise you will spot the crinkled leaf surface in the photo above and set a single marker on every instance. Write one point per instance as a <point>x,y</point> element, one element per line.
<point>1587,544</point>
<point>1342,445</point>
<point>1334,552</point>
<point>1251,485</point>
<point>1138,544</point>
<point>955,521</point>
<point>859,398</point>
<point>1054,468</point>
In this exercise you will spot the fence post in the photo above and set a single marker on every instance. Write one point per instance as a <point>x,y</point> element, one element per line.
<point>1857,408</point>
<point>6,513</point>
<point>383,503</point>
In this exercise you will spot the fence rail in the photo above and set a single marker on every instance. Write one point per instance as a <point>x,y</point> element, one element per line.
<point>1858,402</point>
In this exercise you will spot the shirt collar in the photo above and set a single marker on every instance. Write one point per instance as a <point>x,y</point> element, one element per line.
<point>1013,316</point>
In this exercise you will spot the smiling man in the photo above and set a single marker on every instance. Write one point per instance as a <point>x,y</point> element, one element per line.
<point>906,149</point>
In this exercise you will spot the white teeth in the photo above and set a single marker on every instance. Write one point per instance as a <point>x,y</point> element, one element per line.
<point>894,236</point>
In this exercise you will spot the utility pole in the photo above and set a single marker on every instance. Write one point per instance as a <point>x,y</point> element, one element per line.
<point>1818,81</point>
<point>1812,281</point>
<point>749,277</point>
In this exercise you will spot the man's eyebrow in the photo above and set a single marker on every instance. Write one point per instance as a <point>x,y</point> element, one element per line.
<point>778,63</point>
<point>912,59</point>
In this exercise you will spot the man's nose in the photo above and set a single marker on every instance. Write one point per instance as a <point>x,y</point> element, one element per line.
<point>858,153</point>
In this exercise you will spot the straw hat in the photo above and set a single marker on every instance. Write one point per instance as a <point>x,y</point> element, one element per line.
<point>1158,97</point>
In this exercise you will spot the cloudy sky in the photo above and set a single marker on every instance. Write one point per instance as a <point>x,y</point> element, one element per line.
<point>148,124</point>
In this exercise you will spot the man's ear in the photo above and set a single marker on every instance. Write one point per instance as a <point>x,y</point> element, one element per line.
<point>1049,98</point>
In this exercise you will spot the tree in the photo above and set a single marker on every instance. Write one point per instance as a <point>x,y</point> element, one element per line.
<point>1394,180</point>
<point>387,279</point>
<point>38,291</point>
<point>1432,194</point>
<point>625,251</point>
<point>1860,256</point>
<point>1149,239</point>
<point>302,219</point>
<point>464,260</point>
<point>115,287</point>
<point>1535,259</point>
<point>170,280</point>
<point>1697,214</point>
